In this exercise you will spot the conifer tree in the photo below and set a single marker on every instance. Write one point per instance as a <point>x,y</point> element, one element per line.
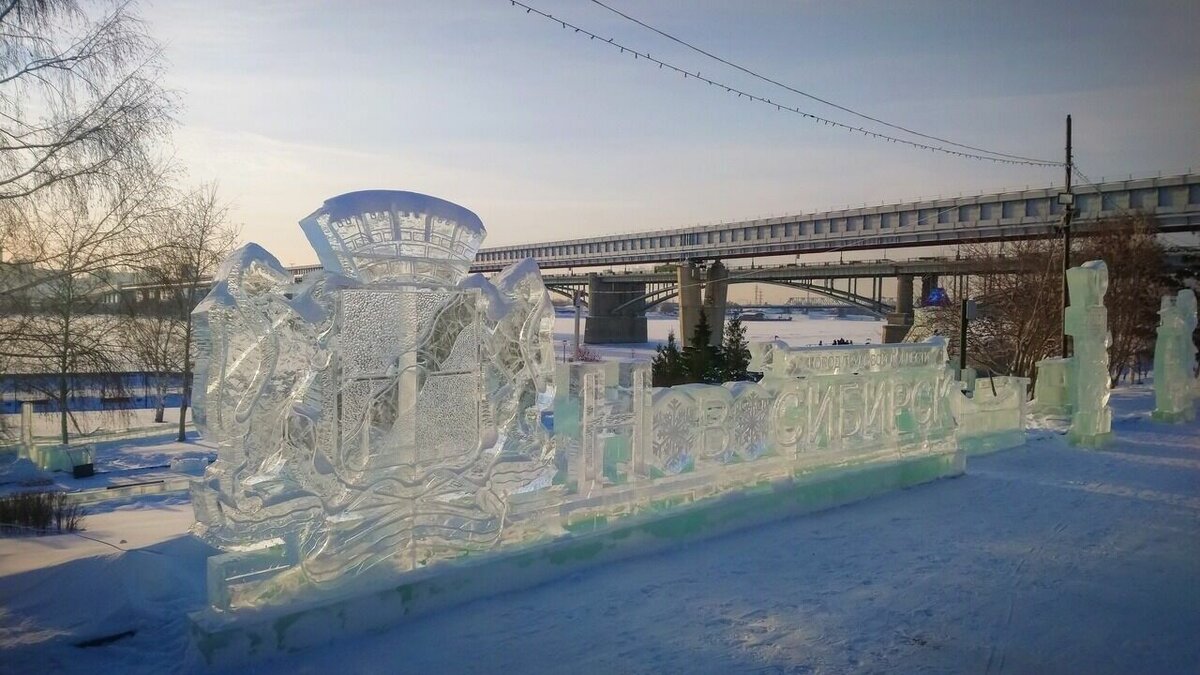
<point>703,362</point>
<point>666,369</point>
<point>736,351</point>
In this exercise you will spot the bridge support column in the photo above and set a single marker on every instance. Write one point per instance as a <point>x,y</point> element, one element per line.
<point>605,323</point>
<point>689,280</point>
<point>900,321</point>
<point>716,294</point>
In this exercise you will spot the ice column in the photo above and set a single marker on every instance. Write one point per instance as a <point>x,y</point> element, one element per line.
<point>1087,322</point>
<point>1175,358</point>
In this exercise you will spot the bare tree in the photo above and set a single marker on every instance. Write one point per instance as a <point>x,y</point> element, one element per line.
<point>198,237</point>
<point>1138,278</point>
<point>79,93</point>
<point>1020,314</point>
<point>154,336</point>
<point>93,235</point>
<point>81,110</point>
<point>1017,325</point>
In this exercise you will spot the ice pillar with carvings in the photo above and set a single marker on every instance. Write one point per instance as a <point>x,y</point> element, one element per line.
<point>1175,358</point>
<point>1086,321</point>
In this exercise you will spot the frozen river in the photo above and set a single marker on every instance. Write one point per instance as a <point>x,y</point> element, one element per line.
<point>801,330</point>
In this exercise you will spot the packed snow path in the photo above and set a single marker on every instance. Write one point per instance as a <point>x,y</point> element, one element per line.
<point>1045,558</point>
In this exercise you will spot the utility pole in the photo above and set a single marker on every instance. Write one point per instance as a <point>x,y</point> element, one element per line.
<point>1068,200</point>
<point>576,301</point>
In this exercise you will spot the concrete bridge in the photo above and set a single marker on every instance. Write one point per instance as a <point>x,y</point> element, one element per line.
<point>617,302</point>
<point>1174,201</point>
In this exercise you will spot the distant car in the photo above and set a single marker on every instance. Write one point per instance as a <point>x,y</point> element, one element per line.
<point>761,316</point>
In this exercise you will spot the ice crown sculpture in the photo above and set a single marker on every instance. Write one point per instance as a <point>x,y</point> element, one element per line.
<point>378,236</point>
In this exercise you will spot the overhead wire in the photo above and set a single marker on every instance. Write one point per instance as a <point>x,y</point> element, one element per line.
<point>781,107</point>
<point>813,97</point>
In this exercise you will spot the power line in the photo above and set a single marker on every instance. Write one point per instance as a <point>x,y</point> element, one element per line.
<point>818,99</point>
<point>781,107</point>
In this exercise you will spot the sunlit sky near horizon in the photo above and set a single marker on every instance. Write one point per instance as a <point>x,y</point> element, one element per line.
<point>547,135</point>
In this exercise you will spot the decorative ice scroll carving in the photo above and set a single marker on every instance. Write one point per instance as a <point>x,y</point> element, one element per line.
<point>1086,321</point>
<point>382,413</point>
<point>1175,358</point>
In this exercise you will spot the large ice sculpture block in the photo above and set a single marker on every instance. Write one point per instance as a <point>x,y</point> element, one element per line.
<point>1086,321</point>
<point>844,401</point>
<point>376,418</point>
<point>1052,392</point>
<point>992,417</point>
<point>395,413</point>
<point>1175,359</point>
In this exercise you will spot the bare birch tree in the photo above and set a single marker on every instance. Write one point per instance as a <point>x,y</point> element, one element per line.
<point>1020,314</point>
<point>198,237</point>
<point>1138,278</point>
<point>94,235</point>
<point>81,109</point>
<point>79,93</point>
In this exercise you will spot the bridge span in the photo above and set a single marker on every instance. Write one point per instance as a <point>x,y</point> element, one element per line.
<point>1174,201</point>
<point>617,302</point>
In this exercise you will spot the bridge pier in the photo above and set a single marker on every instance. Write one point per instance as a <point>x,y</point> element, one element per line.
<point>716,295</point>
<point>606,324</point>
<point>688,277</point>
<point>900,321</point>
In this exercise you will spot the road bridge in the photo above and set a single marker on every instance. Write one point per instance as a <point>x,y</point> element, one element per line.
<point>617,301</point>
<point>1174,202</point>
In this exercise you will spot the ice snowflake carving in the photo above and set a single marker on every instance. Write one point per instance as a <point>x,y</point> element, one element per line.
<point>382,412</point>
<point>676,425</point>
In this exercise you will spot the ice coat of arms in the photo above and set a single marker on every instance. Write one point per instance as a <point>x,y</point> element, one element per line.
<point>382,411</point>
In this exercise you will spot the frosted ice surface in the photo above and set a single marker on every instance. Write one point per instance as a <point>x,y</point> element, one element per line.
<point>993,416</point>
<point>1086,321</point>
<point>382,411</point>
<point>396,411</point>
<point>1052,394</point>
<point>1175,358</point>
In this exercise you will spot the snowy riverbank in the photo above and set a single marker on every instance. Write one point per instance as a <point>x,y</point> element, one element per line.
<point>1046,558</point>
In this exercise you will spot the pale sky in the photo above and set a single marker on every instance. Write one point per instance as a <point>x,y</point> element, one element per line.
<point>548,135</point>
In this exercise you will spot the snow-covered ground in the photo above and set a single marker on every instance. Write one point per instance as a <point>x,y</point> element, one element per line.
<point>801,330</point>
<point>1046,558</point>
<point>99,423</point>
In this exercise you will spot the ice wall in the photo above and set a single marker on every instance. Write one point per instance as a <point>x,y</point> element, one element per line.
<point>395,412</point>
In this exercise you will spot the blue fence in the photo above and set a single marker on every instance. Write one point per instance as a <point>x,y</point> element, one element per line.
<point>89,391</point>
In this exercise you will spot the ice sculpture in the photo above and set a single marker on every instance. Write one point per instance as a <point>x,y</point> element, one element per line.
<point>1086,321</point>
<point>395,412</point>
<point>1175,358</point>
<point>1051,393</point>
<point>601,419</point>
<point>378,415</point>
<point>992,417</point>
